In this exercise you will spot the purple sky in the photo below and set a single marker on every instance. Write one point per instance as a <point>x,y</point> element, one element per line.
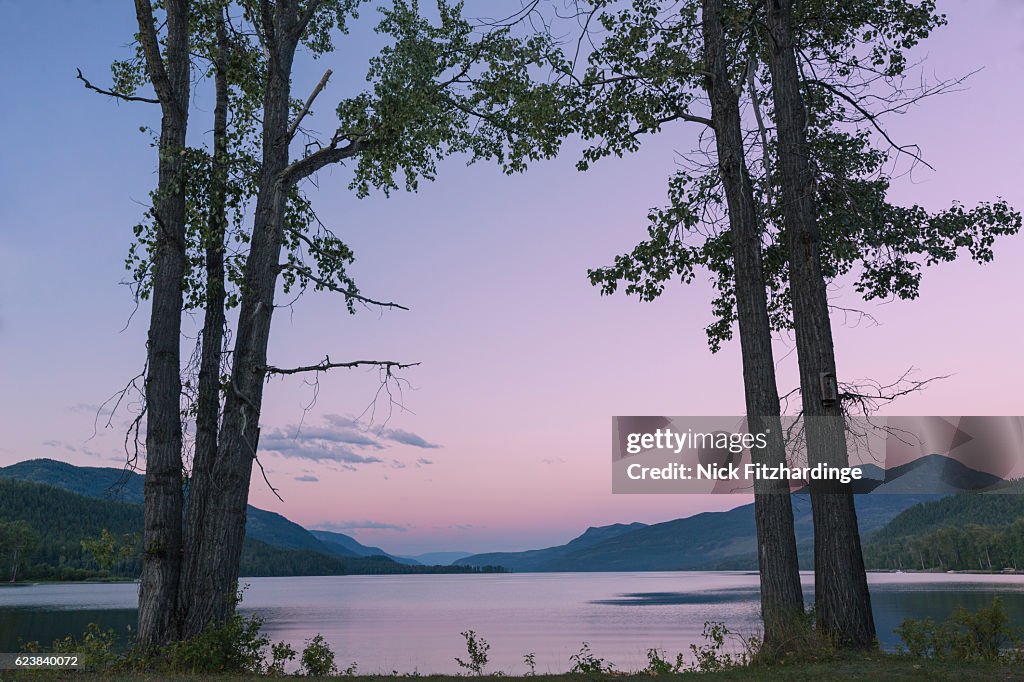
<point>523,361</point>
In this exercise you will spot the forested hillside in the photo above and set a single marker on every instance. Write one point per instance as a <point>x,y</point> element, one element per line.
<point>970,531</point>
<point>61,520</point>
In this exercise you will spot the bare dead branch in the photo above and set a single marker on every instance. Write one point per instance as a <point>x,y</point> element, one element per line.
<point>114,93</point>
<point>309,102</point>
<point>348,293</point>
<point>326,365</point>
<point>911,150</point>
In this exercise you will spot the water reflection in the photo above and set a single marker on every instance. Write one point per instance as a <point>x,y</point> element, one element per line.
<point>412,623</point>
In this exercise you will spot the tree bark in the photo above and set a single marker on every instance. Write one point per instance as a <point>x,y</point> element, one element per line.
<point>842,600</point>
<point>209,392</point>
<point>162,535</point>
<point>213,563</point>
<point>781,594</point>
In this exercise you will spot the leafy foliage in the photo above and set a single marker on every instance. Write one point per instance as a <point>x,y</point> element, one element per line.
<point>984,635</point>
<point>647,71</point>
<point>476,650</point>
<point>317,657</point>
<point>586,662</point>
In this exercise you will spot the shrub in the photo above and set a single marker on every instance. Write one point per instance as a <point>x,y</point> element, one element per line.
<point>477,648</point>
<point>236,646</point>
<point>317,658</point>
<point>280,653</point>
<point>712,657</point>
<point>658,665</point>
<point>584,661</point>
<point>983,635</point>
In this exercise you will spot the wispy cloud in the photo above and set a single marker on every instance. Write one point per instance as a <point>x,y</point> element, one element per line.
<point>407,438</point>
<point>307,478</point>
<point>342,440</point>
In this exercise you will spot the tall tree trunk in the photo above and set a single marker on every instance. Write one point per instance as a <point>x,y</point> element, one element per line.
<point>782,601</point>
<point>214,561</point>
<point>208,401</point>
<point>842,600</point>
<point>163,483</point>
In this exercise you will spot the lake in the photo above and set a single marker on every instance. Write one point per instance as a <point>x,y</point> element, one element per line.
<point>411,623</point>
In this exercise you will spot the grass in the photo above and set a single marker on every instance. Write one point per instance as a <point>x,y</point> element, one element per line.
<point>873,666</point>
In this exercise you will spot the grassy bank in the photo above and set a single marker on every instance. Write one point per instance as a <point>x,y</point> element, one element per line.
<point>855,667</point>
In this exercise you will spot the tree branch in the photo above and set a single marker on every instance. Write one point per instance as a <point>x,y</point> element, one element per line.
<point>326,364</point>
<point>151,48</point>
<point>909,150</point>
<point>347,293</point>
<point>309,102</point>
<point>308,165</point>
<point>112,93</point>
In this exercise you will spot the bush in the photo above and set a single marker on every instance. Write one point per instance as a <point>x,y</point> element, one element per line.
<point>280,653</point>
<point>584,661</point>
<point>317,658</point>
<point>237,646</point>
<point>477,648</point>
<point>712,657</point>
<point>983,635</point>
<point>98,648</point>
<point>658,665</point>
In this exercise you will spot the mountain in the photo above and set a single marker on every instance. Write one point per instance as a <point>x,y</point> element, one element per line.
<point>439,558</point>
<point>61,519</point>
<point>706,541</point>
<point>339,542</point>
<point>935,474</point>
<point>118,485</point>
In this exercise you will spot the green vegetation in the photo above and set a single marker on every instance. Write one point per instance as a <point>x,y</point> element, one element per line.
<point>969,646</point>
<point>476,650</point>
<point>970,531</point>
<point>17,542</point>
<point>984,635</point>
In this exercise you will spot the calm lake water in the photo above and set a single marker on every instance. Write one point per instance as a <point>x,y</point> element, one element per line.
<point>412,623</point>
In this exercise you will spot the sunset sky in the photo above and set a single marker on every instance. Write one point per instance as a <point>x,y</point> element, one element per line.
<point>504,442</point>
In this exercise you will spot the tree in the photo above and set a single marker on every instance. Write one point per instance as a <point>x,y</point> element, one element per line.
<point>781,593</point>
<point>842,601</point>
<point>17,542</point>
<point>169,72</point>
<point>642,77</point>
<point>107,549</point>
<point>438,89</point>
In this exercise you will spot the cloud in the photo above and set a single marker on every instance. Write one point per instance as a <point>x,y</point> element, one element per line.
<point>553,460</point>
<point>339,439</point>
<point>316,449</point>
<point>307,478</point>
<point>407,438</point>
<point>362,524</point>
<point>423,461</point>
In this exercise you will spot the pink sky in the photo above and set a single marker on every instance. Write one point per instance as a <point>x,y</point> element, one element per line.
<point>523,363</point>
